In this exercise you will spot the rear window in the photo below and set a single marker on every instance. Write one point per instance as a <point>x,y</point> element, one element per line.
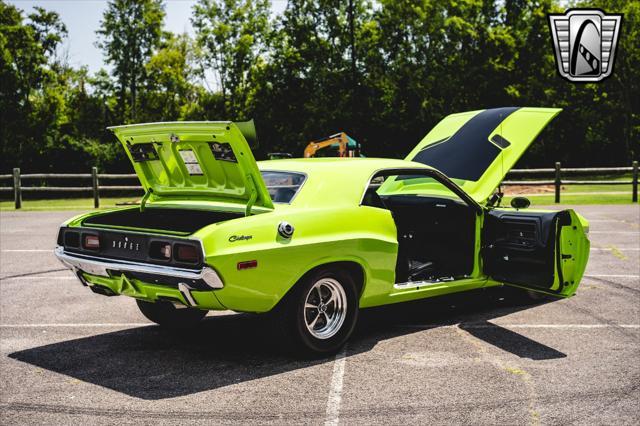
<point>283,186</point>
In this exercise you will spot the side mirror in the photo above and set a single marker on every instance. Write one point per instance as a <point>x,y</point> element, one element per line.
<point>520,203</point>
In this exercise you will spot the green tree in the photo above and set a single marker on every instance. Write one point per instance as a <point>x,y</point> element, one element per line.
<point>384,72</point>
<point>130,32</point>
<point>310,84</point>
<point>28,72</point>
<point>171,91</point>
<point>232,35</point>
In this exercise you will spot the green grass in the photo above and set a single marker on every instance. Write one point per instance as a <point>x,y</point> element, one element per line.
<point>66,204</point>
<point>565,198</point>
<point>576,194</point>
<point>597,188</point>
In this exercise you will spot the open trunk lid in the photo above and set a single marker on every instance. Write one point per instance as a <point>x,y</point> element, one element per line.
<point>478,148</point>
<point>203,161</point>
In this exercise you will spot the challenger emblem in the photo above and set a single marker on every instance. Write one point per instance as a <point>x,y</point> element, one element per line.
<point>585,43</point>
<point>234,238</point>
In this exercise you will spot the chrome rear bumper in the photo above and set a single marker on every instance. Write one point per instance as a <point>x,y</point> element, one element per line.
<point>101,266</point>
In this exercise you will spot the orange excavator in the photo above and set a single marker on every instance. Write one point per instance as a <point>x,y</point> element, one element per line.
<point>347,147</point>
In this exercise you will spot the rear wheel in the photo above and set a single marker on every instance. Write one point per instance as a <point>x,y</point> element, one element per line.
<point>167,315</point>
<point>321,312</point>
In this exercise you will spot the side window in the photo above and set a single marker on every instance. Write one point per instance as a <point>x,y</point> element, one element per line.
<point>282,186</point>
<point>371,197</point>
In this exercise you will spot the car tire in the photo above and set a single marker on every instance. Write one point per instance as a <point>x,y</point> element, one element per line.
<point>167,315</point>
<point>320,313</point>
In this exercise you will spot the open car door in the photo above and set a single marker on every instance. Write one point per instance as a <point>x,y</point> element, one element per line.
<point>477,149</point>
<point>541,251</point>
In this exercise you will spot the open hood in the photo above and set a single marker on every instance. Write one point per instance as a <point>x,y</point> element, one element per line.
<point>204,161</point>
<point>478,148</point>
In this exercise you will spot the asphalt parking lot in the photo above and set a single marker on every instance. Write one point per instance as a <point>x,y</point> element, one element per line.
<point>71,356</point>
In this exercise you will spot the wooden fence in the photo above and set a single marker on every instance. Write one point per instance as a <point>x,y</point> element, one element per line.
<point>558,172</point>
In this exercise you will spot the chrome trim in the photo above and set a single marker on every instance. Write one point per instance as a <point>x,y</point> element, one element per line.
<point>285,229</point>
<point>412,285</point>
<point>330,309</point>
<point>186,292</point>
<point>419,284</point>
<point>98,266</point>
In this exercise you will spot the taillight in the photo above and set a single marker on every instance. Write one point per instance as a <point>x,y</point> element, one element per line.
<point>165,251</point>
<point>160,250</point>
<point>186,253</point>
<point>71,239</point>
<point>91,242</point>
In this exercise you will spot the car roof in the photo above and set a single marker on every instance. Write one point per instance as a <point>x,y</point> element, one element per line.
<point>334,181</point>
<point>346,165</point>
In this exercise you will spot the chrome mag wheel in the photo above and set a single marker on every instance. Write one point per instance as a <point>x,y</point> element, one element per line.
<point>325,308</point>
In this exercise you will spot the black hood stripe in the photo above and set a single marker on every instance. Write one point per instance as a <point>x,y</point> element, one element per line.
<point>468,152</point>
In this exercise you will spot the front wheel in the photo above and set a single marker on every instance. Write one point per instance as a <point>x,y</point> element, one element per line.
<point>321,312</point>
<point>167,315</point>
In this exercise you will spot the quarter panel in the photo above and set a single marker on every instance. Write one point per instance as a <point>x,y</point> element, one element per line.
<point>363,235</point>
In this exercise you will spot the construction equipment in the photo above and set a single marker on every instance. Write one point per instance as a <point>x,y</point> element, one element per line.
<point>347,147</point>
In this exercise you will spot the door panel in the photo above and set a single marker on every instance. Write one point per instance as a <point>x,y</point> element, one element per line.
<point>542,251</point>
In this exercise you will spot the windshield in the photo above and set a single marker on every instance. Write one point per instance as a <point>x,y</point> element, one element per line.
<point>282,186</point>
<point>409,184</point>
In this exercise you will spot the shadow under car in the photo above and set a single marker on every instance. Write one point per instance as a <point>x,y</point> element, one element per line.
<point>151,363</point>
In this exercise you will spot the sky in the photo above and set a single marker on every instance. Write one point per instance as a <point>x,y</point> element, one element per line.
<point>82,18</point>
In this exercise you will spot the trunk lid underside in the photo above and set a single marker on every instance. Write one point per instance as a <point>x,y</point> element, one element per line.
<point>207,161</point>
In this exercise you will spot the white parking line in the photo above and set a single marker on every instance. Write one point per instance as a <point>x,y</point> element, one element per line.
<point>525,326</point>
<point>71,277</point>
<point>611,276</point>
<point>333,403</point>
<point>617,248</point>
<point>27,251</point>
<point>40,277</point>
<point>592,248</point>
<point>615,232</point>
<point>335,389</point>
<point>77,325</point>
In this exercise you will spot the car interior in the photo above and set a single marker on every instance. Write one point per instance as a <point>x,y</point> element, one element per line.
<point>436,235</point>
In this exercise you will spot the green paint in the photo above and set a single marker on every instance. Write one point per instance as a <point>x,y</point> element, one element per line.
<point>330,224</point>
<point>520,128</point>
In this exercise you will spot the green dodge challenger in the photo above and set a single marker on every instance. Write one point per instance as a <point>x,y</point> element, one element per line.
<point>315,240</point>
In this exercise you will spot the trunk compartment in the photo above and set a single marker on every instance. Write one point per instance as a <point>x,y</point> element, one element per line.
<point>162,220</point>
